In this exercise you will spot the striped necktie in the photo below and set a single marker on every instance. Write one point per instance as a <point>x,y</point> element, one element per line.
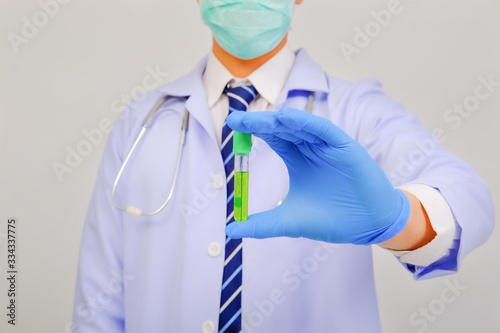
<point>230,304</point>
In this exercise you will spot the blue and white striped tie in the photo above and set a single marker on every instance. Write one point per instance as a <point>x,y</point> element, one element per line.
<point>230,304</point>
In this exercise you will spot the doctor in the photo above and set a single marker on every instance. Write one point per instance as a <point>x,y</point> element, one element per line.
<point>332,182</point>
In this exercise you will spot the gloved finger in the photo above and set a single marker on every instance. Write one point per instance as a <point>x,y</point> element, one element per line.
<point>262,122</point>
<point>267,132</point>
<point>299,137</point>
<point>283,148</point>
<point>265,122</point>
<point>283,144</point>
<point>297,120</point>
<point>262,225</point>
<point>292,121</point>
<point>273,141</point>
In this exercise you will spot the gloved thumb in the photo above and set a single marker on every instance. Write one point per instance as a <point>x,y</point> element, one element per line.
<point>262,225</point>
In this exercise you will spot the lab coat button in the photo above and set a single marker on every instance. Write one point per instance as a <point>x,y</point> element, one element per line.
<point>214,249</point>
<point>218,181</point>
<point>208,327</point>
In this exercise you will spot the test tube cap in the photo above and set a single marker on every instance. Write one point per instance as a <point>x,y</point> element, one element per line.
<point>242,143</point>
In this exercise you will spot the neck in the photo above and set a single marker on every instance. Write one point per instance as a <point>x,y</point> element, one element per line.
<point>242,68</point>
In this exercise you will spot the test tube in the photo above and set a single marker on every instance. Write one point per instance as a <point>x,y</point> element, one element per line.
<point>242,145</point>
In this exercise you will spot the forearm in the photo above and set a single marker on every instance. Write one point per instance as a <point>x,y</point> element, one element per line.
<point>418,231</point>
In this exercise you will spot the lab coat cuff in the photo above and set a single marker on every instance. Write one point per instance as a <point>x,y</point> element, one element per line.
<point>442,222</point>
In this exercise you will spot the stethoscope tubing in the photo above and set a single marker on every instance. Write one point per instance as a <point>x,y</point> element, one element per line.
<point>132,209</point>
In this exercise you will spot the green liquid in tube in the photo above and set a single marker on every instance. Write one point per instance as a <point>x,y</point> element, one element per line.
<point>240,196</point>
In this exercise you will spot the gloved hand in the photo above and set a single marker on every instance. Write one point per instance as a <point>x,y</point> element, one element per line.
<point>337,194</point>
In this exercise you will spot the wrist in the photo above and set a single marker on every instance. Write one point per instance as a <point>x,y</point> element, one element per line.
<point>417,232</point>
<point>395,226</point>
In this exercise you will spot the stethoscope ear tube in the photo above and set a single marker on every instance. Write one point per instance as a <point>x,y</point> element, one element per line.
<point>154,110</point>
<point>132,209</point>
<point>310,100</point>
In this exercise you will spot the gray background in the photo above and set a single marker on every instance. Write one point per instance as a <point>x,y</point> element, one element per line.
<point>70,74</point>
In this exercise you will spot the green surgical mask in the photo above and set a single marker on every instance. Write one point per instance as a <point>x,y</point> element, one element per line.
<point>248,29</point>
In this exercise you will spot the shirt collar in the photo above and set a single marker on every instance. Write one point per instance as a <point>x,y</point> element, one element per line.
<point>305,74</point>
<point>269,79</point>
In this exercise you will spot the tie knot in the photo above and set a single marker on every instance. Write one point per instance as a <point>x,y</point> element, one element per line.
<point>240,97</point>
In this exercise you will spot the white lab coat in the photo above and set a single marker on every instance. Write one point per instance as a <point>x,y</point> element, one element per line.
<point>164,273</point>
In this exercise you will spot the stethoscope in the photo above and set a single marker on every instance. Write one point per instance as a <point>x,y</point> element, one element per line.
<point>132,209</point>
<point>137,211</point>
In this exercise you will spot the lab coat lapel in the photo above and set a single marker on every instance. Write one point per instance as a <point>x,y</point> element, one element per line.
<point>191,86</point>
<point>304,75</point>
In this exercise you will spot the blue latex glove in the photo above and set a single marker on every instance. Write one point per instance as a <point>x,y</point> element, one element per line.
<point>337,194</point>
